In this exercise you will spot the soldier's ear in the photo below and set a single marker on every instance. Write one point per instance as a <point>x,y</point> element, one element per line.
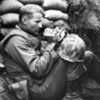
<point>24,20</point>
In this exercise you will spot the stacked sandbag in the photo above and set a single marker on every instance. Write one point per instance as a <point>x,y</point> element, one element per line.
<point>55,10</point>
<point>47,23</point>
<point>38,2</point>
<point>55,4</point>
<point>56,15</point>
<point>9,19</point>
<point>7,6</point>
<point>9,10</point>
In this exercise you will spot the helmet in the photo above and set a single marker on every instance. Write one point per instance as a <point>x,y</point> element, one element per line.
<point>72,48</point>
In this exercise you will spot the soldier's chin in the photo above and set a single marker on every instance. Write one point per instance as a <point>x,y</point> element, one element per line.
<point>36,33</point>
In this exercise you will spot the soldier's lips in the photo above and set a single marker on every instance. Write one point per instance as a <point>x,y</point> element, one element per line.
<point>37,30</point>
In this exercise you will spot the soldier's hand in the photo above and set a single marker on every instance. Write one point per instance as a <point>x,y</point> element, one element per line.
<point>54,35</point>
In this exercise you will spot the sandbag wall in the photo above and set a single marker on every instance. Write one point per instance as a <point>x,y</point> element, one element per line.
<point>79,16</point>
<point>55,13</point>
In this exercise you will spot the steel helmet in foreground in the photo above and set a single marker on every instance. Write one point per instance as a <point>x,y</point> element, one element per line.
<point>72,48</point>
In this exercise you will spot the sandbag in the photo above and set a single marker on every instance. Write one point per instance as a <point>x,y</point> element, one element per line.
<point>5,30</point>
<point>7,6</point>
<point>56,15</point>
<point>62,23</point>
<point>9,19</point>
<point>40,2</point>
<point>56,4</point>
<point>47,23</point>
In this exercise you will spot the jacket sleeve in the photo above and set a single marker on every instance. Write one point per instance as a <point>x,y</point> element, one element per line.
<point>24,54</point>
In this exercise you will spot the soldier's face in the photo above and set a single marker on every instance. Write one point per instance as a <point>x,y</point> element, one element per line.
<point>34,23</point>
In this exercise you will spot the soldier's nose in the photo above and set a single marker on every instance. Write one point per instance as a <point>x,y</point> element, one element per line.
<point>40,25</point>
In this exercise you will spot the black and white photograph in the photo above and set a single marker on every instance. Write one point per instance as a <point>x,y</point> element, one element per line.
<point>49,49</point>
